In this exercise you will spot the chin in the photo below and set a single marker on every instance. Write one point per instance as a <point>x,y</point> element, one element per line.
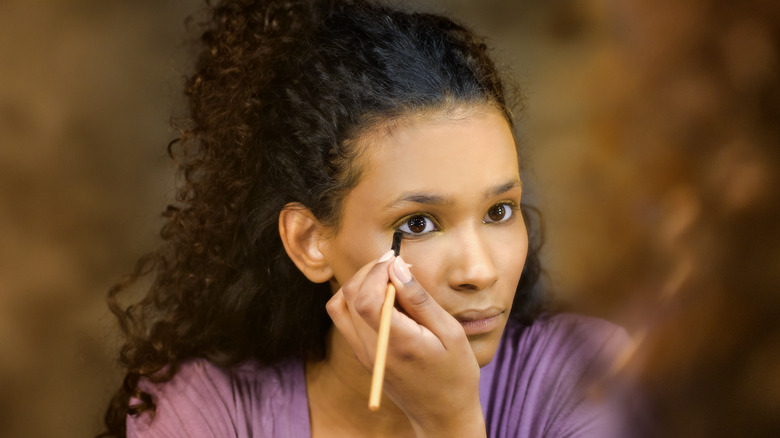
<point>484,349</point>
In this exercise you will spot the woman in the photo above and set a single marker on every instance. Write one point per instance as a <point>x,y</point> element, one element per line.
<point>318,129</point>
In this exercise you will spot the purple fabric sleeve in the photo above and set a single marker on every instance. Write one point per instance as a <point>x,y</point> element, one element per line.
<point>203,400</point>
<point>536,386</point>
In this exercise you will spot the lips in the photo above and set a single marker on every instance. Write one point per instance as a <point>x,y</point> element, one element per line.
<point>478,322</point>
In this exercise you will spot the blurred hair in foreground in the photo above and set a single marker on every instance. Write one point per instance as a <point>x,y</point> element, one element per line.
<point>695,110</point>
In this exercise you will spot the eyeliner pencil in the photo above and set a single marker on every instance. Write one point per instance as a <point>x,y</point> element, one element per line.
<point>378,377</point>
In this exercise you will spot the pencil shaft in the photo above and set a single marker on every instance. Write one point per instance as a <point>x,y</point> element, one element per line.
<point>383,337</point>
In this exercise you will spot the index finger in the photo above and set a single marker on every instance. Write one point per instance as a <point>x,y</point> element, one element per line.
<point>364,297</point>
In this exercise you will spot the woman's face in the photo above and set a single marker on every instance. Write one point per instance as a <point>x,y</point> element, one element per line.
<point>452,185</point>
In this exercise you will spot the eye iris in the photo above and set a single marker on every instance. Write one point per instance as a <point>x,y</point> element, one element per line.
<point>497,213</point>
<point>416,224</point>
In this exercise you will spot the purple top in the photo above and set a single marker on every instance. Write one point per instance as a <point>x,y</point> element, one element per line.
<point>535,386</point>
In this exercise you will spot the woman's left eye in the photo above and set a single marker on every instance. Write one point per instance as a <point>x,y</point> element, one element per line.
<point>498,213</point>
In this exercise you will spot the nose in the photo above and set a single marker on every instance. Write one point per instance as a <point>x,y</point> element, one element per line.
<point>472,266</point>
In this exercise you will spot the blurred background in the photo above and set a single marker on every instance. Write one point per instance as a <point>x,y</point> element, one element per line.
<point>650,144</point>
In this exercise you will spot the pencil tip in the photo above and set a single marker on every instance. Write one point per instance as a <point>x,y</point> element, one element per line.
<point>396,247</point>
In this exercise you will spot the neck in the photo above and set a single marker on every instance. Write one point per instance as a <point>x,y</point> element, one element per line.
<point>338,388</point>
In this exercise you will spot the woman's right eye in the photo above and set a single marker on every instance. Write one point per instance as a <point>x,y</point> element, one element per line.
<point>418,225</point>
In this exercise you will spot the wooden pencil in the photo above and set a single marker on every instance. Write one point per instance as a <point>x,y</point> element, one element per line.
<point>378,376</point>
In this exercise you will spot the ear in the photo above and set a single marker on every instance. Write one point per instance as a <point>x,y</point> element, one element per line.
<point>301,233</point>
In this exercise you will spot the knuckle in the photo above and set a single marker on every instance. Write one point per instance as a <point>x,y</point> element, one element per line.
<point>363,305</point>
<point>335,306</point>
<point>331,307</point>
<point>406,352</point>
<point>411,349</point>
<point>349,289</point>
<point>418,297</point>
<point>453,332</point>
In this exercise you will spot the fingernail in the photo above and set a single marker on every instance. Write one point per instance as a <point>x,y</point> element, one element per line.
<point>401,270</point>
<point>386,256</point>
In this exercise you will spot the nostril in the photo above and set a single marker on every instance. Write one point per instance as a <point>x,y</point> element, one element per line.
<point>466,287</point>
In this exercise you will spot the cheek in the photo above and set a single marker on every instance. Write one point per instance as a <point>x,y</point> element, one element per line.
<point>426,257</point>
<point>513,258</point>
<point>423,256</point>
<point>509,253</point>
<point>347,254</point>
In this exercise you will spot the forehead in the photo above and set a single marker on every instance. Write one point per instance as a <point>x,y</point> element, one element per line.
<point>458,152</point>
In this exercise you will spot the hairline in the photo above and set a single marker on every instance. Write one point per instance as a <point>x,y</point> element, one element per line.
<point>360,143</point>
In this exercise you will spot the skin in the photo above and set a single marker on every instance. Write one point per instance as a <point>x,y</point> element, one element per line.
<point>454,174</point>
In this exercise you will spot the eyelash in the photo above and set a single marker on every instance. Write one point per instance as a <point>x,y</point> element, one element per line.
<point>512,205</point>
<point>420,214</point>
<point>513,208</point>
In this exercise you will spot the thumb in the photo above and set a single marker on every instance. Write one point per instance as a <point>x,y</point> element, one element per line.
<point>420,305</point>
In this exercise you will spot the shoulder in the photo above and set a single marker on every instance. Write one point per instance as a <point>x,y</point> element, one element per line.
<point>543,374</point>
<point>566,337</point>
<point>203,399</point>
<point>560,347</point>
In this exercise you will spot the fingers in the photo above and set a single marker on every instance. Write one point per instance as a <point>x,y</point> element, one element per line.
<point>365,292</point>
<point>420,306</point>
<point>422,326</point>
<point>342,319</point>
<point>355,308</point>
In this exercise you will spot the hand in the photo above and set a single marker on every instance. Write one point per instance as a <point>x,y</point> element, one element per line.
<point>431,372</point>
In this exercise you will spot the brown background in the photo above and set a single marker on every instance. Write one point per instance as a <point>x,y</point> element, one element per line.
<point>86,91</point>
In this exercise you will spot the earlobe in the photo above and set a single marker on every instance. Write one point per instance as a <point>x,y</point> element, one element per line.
<point>301,232</point>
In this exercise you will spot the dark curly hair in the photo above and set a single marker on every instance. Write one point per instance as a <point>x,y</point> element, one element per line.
<point>280,93</point>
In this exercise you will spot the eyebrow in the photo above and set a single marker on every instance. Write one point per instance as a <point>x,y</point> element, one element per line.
<point>502,188</point>
<point>435,199</point>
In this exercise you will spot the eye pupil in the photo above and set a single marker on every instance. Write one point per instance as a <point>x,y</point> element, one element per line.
<point>416,224</point>
<point>497,213</point>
